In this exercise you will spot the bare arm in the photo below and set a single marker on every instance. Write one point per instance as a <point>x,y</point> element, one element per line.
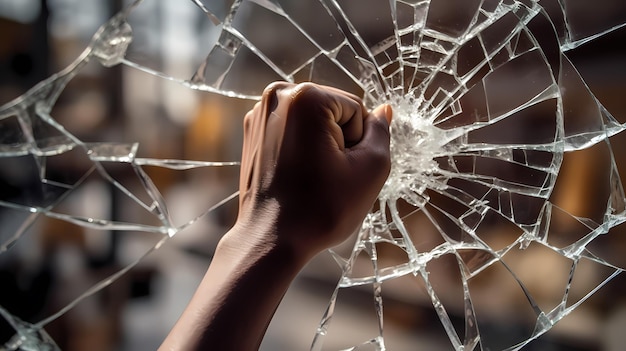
<point>313,162</point>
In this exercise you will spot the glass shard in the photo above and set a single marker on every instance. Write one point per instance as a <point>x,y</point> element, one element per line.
<point>504,206</point>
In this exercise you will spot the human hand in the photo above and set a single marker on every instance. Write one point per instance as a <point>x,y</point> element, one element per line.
<point>313,162</point>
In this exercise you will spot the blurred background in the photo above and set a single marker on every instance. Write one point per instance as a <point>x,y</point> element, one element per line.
<point>56,261</point>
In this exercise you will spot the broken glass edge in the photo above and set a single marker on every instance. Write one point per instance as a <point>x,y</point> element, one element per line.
<point>563,48</point>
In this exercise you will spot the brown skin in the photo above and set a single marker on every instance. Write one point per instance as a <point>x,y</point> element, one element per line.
<point>313,162</point>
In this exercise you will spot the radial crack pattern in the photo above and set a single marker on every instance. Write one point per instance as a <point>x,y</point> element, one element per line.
<point>490,116</point>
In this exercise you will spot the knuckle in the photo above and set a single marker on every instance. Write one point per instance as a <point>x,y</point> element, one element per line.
<point>306,87</point>
<point>271,88</point>
<point>312,100</point>
<point>305,92</point>
<point>271,93</point>
<point>247,121</point>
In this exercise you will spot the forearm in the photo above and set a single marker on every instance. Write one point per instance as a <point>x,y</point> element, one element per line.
<point>238,295</point>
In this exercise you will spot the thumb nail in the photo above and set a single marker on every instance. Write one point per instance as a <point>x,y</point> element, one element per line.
<point>385,111</point>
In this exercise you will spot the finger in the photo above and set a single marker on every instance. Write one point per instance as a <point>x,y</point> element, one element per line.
<point>247,156</point>
<point>372,153</point>
<point>255,137</point>
<point>349,116</point>
<point>388,111</point>
<point>343,92</point>
<point>350,104</point>
<point>335,111</point>
<point>377,123</point>
<point>376,128</point>
<point>313,97</point>
<point>275,103</point>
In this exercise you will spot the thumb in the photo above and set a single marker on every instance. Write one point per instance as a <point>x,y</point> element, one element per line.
<point>384,111</point>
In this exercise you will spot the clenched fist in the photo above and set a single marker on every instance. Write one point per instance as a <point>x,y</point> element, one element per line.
<point>314,159</point>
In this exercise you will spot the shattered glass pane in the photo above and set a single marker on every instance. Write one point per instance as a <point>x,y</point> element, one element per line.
<point>505,195</point>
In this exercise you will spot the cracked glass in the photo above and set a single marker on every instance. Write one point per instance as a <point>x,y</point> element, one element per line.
<point>505,195</point>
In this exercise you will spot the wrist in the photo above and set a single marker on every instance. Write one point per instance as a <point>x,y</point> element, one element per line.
<point>268,227</point>
<point>259,236</point>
